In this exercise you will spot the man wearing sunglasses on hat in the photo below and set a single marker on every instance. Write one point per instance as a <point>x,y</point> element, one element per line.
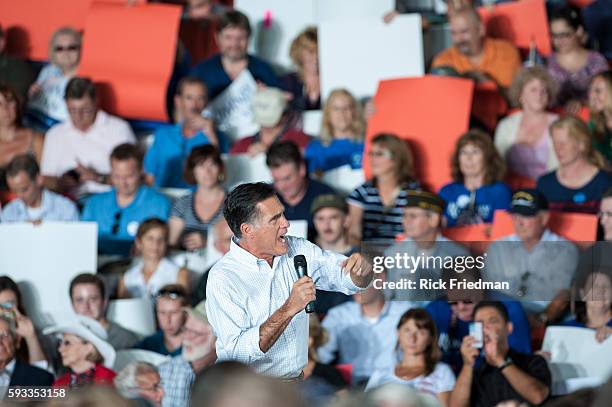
<point>538,264</point>
<point>255,298</point>
<point>169,304</point>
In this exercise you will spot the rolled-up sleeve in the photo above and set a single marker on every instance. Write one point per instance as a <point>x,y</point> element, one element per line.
<point>236,340</point>
<point>327,271</point>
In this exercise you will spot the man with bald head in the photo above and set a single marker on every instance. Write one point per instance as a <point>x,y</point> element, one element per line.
<point>474,55</point>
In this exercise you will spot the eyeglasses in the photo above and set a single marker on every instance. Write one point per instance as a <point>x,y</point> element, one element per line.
<point>561,36</point>
<point>83,110</point>
<point>465,302</point>
<point>117,223</point>
<point>522,291</point>
<point>60,48</point>
<point>386,154</point>
<point>155,387</point>
<point>602,214</point>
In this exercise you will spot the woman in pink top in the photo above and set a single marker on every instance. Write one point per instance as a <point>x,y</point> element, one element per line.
<point>523,138</point>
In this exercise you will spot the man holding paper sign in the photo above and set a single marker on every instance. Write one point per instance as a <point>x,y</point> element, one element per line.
<point>256,299</point>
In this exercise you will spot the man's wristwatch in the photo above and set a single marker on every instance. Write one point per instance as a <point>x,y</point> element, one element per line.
<point>507,362</point>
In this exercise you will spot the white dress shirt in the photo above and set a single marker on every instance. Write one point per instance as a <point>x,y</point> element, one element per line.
<point>244,291</point>
<point>5,378</point>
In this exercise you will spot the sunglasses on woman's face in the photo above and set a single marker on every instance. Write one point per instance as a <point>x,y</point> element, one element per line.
<point>61,48</point>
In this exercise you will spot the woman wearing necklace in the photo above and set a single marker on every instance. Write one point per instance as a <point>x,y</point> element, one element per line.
<point>419,365</point>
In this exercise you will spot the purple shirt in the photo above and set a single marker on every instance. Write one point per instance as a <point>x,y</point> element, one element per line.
<point>575,85</point>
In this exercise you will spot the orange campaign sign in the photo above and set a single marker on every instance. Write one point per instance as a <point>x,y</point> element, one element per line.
<point>430,113</point>
<point>29,24</point>
<point>521,22</point>
<point>577,227</point>
<point>129,52</point>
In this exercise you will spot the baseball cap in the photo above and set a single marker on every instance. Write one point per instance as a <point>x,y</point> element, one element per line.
<point>424,200</point>
<point>268,106</point>
<point>527,202</point>
<point>328,201</point>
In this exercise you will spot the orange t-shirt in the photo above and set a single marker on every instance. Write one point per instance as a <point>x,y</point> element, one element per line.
<point>501,60</point>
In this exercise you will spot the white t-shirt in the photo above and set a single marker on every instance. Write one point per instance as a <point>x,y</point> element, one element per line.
<point>440,380</point>
<point>135,284</point>
<point>50,99</point>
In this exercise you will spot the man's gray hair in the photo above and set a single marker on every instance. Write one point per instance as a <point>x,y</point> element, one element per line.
<point>125,381</point>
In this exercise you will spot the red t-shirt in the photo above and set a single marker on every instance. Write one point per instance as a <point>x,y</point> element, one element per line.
<point>297,136</point>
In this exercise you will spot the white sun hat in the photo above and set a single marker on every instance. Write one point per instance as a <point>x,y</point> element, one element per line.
<point>90,330</point>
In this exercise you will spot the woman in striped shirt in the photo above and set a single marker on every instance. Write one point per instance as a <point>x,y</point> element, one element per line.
<point>376,207</point>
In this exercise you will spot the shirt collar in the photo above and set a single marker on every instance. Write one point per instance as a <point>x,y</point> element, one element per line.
<point>244,255</point>
<point>10,367</point>
<point>101,118</point>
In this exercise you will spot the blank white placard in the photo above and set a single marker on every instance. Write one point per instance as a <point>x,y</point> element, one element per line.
<point>43,260</point>
<point>243,168</point>
<point>275,23</point>
<point>334,10</point>
<point>357,53</point>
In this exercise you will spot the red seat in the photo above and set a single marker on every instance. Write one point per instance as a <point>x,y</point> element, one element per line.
<point>346,370</point>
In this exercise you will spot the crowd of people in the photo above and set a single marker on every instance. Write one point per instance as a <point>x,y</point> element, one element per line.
<point>238,331</point>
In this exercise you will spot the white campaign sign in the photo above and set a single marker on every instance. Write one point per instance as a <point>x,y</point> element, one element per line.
<point>275,23</point>
<point>43,259</point>
<point>232,109</point>
<point>357,53</point>
<point>328,10</point>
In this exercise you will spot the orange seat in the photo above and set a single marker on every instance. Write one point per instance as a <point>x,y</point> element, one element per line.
<point>431,112</point>
<point>488,105</point>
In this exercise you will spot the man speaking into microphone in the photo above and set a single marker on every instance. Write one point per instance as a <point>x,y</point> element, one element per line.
<point>255,300</point>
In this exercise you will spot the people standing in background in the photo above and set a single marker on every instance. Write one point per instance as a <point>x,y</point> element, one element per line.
<point>342,133</point>
<point>600,108</point>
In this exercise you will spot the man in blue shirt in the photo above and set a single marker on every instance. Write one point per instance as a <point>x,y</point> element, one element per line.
<point>34,203</point>
<point>165,159</point>
<point>120,211</point>
<point>233,39</point>
<point>295,190</point>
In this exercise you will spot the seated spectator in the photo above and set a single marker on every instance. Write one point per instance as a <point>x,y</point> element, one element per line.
<point>219,71</point>
<point>538,264</point>
<point>222,238</point>
<point>172,144</point>
<point>362,332</point>
<point>47,93</point>
<point>321,381</point>
<point>600,107</point>
<point>419,366</point>
<point>179,373</point>
<point>523,138</point>
<point>88,298</point>
<point>342,131</point>
<point>15,372</point>
<point>580,181</point>
<point>29,348</point>
<point>276,124</point>
<point>91,135</point>
<point>596,16</point>
<point>376,207</point>
<point>304,85</point>
<point>598,255</point>
<point>120,211</point>
<point>503,373</point>
<point>475,56</point>
<point>453,313</point>
<point>140,381</point>
<point>14,139</point>
<point>477,189</point>
<point>595,307</point>
<point>85,352</point>
<point>330,218</point>
<point>170,301</point>
<point>571,65</point>
<point>34,203</point>
<point>295,190</point>
<point>194,213</point>
<point>422,224</point>
<point>13,70</point>
<point>153,270</point>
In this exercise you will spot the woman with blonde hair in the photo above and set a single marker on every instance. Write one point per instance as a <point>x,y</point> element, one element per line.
<point>376,207</point>
<point>304,84</point>
<point>523,138</point>
<point>600,105</point>
<point>477,190</point>
<point>581,179</point>
<point>342,132</point>
<point>47,93</point>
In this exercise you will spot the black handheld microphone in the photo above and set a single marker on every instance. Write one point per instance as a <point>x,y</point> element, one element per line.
<point>299,262</point>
